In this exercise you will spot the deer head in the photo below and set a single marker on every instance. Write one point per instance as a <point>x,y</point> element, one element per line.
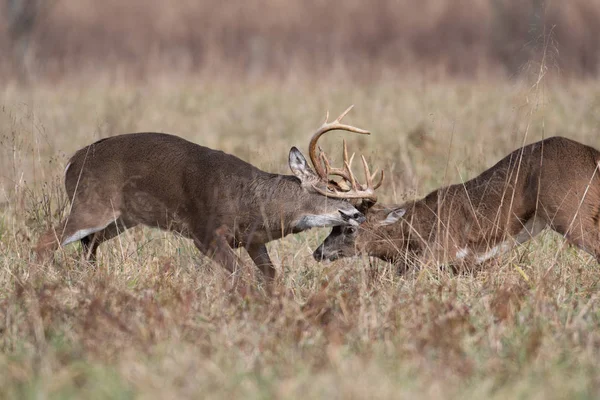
<point>319,181</point>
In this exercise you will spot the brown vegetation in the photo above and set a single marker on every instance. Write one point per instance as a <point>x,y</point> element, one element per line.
<point>153,318</point>
<point>138,38</point>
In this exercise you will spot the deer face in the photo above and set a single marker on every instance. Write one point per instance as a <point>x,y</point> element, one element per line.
<point>328,200</point>
<point>341,242</point>
<point>315,209</point>
<point>349,241</point>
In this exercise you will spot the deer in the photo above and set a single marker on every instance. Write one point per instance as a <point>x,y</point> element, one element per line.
<point>552,183</point>
<point>215,199</point>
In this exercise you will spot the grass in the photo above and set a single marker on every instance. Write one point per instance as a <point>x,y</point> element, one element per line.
<point>153,319</point>
<point>261,38</point>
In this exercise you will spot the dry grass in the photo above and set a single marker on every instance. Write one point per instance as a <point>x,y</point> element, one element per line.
<point>138,38</point>
<point>153,319</point>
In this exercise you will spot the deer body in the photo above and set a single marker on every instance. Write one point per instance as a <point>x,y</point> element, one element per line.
<point>553,183</point>
<point>213,198</point>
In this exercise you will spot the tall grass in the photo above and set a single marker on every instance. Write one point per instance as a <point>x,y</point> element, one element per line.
<point>153,318</point>
<point>257,38</point>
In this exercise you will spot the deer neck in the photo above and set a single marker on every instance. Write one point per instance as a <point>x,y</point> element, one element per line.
<point>294,209</point>
<point>277,199</point>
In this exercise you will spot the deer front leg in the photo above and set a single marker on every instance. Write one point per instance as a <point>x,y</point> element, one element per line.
<point>91,242</point>
<point>260,256</point>
<point>220,250</point>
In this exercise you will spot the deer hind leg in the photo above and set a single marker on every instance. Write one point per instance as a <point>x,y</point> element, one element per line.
<point>77,226</point>
<point>580,231</point>
<point>590,246</point>
<point>533,227</point>
<point>587,238</point>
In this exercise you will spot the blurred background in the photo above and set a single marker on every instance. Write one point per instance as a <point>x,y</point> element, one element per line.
<point>447,87</point>
<point>138,39</point>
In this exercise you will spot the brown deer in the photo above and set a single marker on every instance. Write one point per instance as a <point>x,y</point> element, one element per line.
<point>552,183</point>
<point>213,198</point>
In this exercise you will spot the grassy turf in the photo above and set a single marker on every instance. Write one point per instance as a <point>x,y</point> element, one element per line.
<point>154,320</point>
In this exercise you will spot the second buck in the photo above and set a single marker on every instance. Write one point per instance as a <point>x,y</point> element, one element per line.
<point>213,198</point>
<point>553,183</point>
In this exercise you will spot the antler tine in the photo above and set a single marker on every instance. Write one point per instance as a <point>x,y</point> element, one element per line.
<point>357,190</point>
<point>350,176</point>
<point>338,119</point>
<point>345,172</point>
<point>348,168</point>
<point>325,162</point>
<point>347,163</point>
<point>380,181</point>
<point>326,127</point>
<point>346,155</point>
<point>324,169</point>
<point>354,193</point>
<point>368,176</point>
<point>371,177</point>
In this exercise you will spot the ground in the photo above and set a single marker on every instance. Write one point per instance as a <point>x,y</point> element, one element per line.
<point>154,318</point>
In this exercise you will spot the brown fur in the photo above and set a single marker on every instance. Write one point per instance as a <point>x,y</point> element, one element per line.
<point>553,183</point>
<point>214,198</point>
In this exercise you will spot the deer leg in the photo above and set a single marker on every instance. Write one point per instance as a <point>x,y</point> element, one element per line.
<point>89,246</point>
<point>585,245</point>
<point>260,256</point>
<point>587,239</point>
<point>91,242</point>
<point>533,227</point>
<point>582,233</point>
<point>220,251</point>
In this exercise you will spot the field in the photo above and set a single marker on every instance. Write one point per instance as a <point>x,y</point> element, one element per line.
<point>262,38</point>
<point>154,320</point>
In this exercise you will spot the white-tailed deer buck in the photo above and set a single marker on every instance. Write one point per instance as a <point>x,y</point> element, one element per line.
<point>552,183</point>
<point>213,198</point>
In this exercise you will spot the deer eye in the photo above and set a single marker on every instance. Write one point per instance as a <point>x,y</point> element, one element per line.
<point>351,230</point>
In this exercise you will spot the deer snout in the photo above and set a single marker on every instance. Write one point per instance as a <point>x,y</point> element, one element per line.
<point>354,217</point>
<point>318,254</point>
<point>322,253</point>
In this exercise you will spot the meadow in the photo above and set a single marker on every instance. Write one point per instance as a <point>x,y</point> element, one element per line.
<point>153,319</point>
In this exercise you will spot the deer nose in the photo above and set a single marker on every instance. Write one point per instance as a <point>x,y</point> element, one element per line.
<point>318,253</point>
<point>321,254</point>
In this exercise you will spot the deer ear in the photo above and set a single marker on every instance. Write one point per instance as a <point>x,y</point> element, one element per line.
<point>393,216</point>
<point>299,166</point>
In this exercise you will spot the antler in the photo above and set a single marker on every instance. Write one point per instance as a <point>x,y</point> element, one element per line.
<point>324,168</point>
<point>326,127</point>
<point>356,190</point>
